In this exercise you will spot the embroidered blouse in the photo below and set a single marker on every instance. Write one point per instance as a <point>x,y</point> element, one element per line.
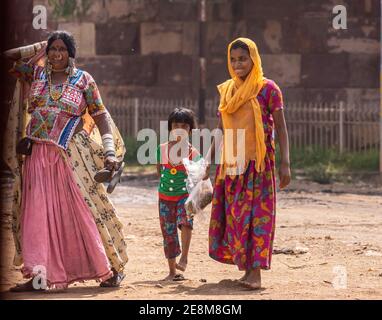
<point>55,121</point>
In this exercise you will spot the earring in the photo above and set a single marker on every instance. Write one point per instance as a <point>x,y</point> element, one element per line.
<point>70,68</point>
<point>48,67</point>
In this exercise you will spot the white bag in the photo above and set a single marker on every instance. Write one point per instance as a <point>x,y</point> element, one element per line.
<point>200,191</point>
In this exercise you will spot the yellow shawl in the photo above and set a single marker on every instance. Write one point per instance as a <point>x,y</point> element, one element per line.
<point>240,109</point>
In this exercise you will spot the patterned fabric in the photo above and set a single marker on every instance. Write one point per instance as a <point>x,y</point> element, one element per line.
<point>172,183</point>
<point>85,156</point>
<point>243,213</point>
<point>55,121</point>
<point>172,215</point>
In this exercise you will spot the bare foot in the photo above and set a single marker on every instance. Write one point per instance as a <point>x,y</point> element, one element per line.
<point>182,265</point>
<point>253,280</point>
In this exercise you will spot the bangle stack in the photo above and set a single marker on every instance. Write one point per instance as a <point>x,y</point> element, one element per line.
<point>108,145</point>
<point>31,50</point>
<point>27,51</point>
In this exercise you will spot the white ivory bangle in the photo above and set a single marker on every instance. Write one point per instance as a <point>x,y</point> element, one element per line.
<point>27,51</point>
<point>108,145</point>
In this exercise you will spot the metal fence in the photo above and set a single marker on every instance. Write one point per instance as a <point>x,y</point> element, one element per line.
<point>344,126</point>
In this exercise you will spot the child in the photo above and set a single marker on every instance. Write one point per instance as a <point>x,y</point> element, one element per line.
<point>173,192</point>
<point>244,203</point>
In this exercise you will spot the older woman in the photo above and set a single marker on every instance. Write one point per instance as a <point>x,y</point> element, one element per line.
<point>66,228</point>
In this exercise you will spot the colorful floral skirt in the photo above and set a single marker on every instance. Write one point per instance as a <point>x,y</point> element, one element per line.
<point>172,216</point>
<point>60,239</point>
<point>243,216</point>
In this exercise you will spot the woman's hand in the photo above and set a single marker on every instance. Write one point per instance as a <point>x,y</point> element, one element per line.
<point>112,163</point>
<point>284,174</point>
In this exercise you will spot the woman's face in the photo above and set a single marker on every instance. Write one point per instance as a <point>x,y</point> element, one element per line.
<point>241,62</point>
<point>58,54</point>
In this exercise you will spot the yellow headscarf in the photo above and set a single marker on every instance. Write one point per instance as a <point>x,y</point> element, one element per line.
<point>234,93</point>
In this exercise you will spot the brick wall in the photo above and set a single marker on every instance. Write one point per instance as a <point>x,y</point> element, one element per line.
<point>149,48</point>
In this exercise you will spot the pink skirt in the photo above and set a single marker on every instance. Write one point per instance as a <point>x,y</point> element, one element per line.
<point>59,236</point>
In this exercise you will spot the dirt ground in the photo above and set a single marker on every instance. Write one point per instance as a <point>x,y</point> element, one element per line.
<point>334,233</point>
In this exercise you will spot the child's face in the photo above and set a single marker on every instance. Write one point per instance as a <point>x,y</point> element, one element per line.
<point>241,62</point>
<point>180,130</point>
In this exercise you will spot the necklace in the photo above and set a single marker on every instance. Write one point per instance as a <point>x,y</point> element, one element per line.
<point>177,164</point>
<point>54,92</point>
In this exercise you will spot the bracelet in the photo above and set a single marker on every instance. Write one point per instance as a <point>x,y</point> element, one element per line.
<point>37,46</point>
<point>27,51</point>
<point>108,145</point>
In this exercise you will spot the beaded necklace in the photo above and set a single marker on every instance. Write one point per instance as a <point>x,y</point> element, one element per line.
<point>55,93</point>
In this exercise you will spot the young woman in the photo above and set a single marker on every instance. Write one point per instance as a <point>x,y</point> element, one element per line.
<point>244,202</point>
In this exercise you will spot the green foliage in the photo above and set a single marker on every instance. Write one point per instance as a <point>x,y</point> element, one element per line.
<point>69,8</point>
<point>326,165</point>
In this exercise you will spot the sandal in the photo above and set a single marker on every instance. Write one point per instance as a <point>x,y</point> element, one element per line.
<point>26,287</point>
<point>115,179</point>
<point>179,277</point>
<point>105,175</point>
<point>114,281</point>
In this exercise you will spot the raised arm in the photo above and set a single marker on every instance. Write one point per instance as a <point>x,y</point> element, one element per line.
<point>24,52</point>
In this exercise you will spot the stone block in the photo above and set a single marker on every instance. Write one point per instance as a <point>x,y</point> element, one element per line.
<point>106,70</point>
<point>364,71</point>
<point>139,70</point>
<point>220,34</point>
<point>161,38</point>
<point>85,36</point>
<point>305,35</point>
<point>133,10</point>
<point>117,38</point>
<point>174,70</point>
<point>217,71</point>
<point>178,10</point>
<point>266,33</point>
<point>285,69</point>
<point>325,70</point>
<point>190,38</point>
<point>362,36</point>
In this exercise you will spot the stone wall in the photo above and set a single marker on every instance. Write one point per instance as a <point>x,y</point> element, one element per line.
<point>149,48</point>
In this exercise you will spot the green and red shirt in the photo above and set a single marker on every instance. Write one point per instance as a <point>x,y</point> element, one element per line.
<point>173,177</point>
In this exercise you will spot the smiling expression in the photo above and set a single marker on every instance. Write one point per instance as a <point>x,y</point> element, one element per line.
<point>58,55</point>
<point>241,62</point>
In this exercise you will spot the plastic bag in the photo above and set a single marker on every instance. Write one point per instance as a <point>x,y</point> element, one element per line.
<point>200,191</point>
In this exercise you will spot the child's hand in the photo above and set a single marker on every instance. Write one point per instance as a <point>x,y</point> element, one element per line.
<point>207,174</point>
<point>285,175</point>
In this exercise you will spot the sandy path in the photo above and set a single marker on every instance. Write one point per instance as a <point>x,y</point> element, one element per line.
<point>340,230</point>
